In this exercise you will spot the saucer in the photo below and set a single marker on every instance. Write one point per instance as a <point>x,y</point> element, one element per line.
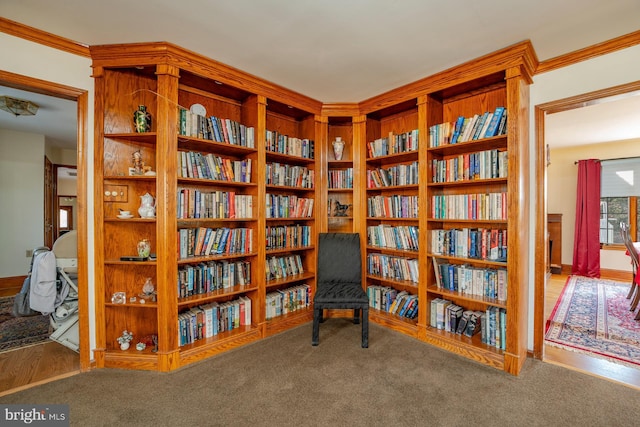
<point>125,216</point>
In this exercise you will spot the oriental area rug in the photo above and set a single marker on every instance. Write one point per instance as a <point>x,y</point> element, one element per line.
<point>592,316</point>
<point>16,332</point>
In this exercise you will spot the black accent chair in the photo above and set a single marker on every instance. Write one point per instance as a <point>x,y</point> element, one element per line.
<point>339,281</point>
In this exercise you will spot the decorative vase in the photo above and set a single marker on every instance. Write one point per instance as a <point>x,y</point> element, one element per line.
<point>144,248</point>
<point>338,148</point>
<point>124,346</point>
<point>142,119</point>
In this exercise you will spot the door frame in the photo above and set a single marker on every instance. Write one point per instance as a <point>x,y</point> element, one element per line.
<point>81,97</point>
<point>541,239</point>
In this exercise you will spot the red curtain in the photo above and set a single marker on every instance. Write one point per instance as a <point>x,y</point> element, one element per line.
<point>586,245</point>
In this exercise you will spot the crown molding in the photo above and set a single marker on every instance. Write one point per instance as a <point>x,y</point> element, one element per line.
<point>593,51</point>
<point>42,37</point>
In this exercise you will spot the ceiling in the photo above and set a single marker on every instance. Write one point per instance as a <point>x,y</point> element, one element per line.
<point>334,50</point>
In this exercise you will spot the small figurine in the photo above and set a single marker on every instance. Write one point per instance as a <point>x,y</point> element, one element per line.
<point>125,339</point>
<point>340,209</point>
<point>139,168</point>
<point>148,291</point>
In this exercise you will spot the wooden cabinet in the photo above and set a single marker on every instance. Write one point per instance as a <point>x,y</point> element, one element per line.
<point>281,175</point>
<point>554,227</point>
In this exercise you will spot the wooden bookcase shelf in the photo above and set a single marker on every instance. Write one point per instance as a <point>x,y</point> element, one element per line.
<point>383,184</point>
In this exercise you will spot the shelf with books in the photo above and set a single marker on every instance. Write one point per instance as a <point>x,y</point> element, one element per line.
<point>472,181</point>
<point>391,184</point>
<point>291,186</point>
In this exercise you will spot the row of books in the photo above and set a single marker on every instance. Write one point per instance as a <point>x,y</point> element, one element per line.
<point>486,164</point>
<point>395,206</point>
<point>205,241</point>
<point>450,317</point>
<point>482,206</point>
<point>393,144</point>
<point>476,243</point>
<point>209,320</point>
<point>193,203</point>
<point>340,178</point>
<point>289,175</point>
<point>392,267</point>
<point>292,146</point>
<point>288,236</point>
<point>288,206</point>
<point>466,129</point>
<point>402,237</point>
<point>215,129</point>
<point>280,267</point>
<point>491,323</point>
<point>193,164</point>
<point>403,174</point>
<point>389,300</point>
<point>212,276</point>
<point>284,301</point>
<point>470,280</point>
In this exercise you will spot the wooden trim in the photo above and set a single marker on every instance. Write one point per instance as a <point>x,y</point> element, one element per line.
<point>42,37</point>
<point>541,245</point>
<point>591,98</point>
<point>340,109</point>
<point>42,87</point>
<point>590,52</point>
<point>81,97</point>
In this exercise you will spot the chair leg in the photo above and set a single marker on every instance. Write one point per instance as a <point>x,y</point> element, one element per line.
<point>317,316</point>
<point>636,299</point>
<point>633,286</point>
<point>365,328</point>
<point>356,316</point>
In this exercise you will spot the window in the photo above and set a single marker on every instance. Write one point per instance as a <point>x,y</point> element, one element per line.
<point>620,191</point>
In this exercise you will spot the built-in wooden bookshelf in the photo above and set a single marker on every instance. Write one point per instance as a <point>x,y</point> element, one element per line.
<point>284,176</point>
<point>208,152</point>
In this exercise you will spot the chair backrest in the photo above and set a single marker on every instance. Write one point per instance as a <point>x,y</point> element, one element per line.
<point>628,243</point>
<point>339,258</point>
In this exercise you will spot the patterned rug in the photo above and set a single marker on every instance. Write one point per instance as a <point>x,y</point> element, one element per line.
<point>593,316</point>
<point>18,332</point>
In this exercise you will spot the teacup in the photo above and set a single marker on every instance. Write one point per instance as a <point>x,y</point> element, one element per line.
<point>125,213</point>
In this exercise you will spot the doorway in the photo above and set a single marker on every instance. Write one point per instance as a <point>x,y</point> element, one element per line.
<point>81,98</point>
<point>541,243</point>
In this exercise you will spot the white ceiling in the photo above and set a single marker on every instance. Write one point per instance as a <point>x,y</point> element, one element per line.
<point>336,50</point>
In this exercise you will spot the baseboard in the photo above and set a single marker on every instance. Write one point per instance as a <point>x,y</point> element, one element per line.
<point>619,275</point>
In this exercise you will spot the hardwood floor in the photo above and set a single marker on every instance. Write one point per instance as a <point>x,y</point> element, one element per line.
<point>583,362</point>
<point>32,365</point>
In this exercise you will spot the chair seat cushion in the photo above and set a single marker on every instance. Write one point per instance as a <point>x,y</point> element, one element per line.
<point>340,292</point>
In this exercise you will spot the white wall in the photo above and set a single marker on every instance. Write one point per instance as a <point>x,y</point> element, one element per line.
<point>37,61</point>
<point>599,73</point>
<point>22,206</point>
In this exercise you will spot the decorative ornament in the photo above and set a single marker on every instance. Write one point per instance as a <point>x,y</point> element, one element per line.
<point>338,148</point>
<point>142,119</point>
<point>147,207</point>
<point>125,339</point>
<point>144,248</point>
